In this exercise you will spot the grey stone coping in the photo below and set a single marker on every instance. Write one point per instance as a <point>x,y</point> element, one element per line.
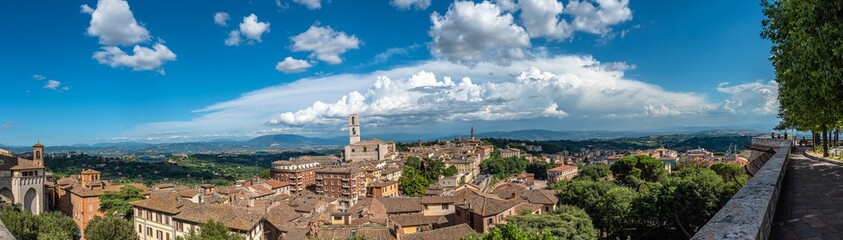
<point>4,232</point>
<point>749,214</point>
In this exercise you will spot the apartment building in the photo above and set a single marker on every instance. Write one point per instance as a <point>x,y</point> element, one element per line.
<point>348,184</point>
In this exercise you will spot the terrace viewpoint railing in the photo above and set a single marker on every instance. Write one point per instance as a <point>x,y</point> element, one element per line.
<point>749,214</point>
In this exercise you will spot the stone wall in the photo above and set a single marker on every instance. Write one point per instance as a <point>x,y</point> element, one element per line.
<point>749,214</point>
<point>4,233</point>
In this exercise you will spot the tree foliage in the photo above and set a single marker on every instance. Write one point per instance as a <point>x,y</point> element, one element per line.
<point>450,171</point>
<point>631,170</point>
<point>594,171</point>
<point>108,228</point>
<point>539,169</point>
<point>25,226</point>
<point>412,183</point>
<point>117,203</point>
<point>212,230</point>
<point>510,232</point>
<point>677,205</point>
<point>807,53</point>
<point>503,167</point>
<point>567,222</point>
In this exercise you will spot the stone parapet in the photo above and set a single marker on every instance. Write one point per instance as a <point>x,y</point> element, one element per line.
<point>749,214</point>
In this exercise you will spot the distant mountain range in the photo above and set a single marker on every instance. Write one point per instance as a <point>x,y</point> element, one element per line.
<point>280,142</point>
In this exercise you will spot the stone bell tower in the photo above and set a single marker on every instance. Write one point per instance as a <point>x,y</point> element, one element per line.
<point>38,154</point>
<point>353,128</point>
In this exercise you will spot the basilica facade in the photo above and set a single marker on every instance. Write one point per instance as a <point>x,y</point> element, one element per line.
<point>22,180</point>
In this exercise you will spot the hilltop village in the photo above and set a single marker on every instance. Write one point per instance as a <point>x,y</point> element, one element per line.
<point>355,194</point>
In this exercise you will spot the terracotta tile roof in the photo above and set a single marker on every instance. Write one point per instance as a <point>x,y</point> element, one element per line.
<point>164,201</point>
<point>260,190</point>
<point>446,233</point>
<point>544,197</point>
<point>562,168</point>
<point>487,205</point>
<point>187,192</point>
<point>417,220</point>
<point>509,190</point>
<point>527,207</point>
<point>367,232</point>
<point>239,218</point>
<point>280,215</point>
<point>401,205</point>
<point>437,199</point>
<point>90,171</point>
<point>390,170</point>
<point>382,183</point>
<point>24,164</point>
<point>275,184</point>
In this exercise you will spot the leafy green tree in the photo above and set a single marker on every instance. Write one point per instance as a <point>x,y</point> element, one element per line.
<point>503,167</point>
<point>108,228</point>
<point>806,52</point>
<point>567,222</point>
<point>413,162</point>
<point>53,236</point>
<point>21,223</point>
<point>614,209</point>
<point>630,170</point>
<point>689,199</point>
<point>412,183</point>
<point>450,171</point>
<point>212,230</point>
<point>733,175</point>
<point>265,174</point>
<point>594,171</point>
<point>117,203</point>
<point>433,169</point>
<point>510,232</point>
<point>539,169</point>
<point>55,225</point>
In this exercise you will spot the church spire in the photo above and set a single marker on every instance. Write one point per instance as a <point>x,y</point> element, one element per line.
<point>472,132</point>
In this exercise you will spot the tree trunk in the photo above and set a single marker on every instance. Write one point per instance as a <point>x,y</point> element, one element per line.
<point>825,140</point>
<point>836,137</point>
<point>815,139</point>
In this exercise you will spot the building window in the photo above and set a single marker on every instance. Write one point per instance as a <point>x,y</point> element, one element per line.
<point>140,229</point>
<point>444,206</point>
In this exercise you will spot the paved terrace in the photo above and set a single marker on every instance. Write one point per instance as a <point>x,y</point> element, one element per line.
<point>811,202</point>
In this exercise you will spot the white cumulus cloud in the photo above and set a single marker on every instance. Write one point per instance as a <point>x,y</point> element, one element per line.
<point>52,84</point>
<point>292,65</point>
<point>407,4</point>
<point>599,18</point>
<point>470,33</point>
<point>252,29</point>
<point>324,43</point>
<point>755,97</point>
<point>141,59</point>
<point>233,38</point>
<point>114,24</point>
<point>541,19</point>
<point>310,4</point>
<point>221,18</point>
<point>546,92</point>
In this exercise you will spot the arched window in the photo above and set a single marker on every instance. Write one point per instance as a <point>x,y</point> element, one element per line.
<point>38,154</point>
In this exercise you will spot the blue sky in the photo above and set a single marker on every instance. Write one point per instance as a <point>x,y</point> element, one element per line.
<point>69,73</point>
